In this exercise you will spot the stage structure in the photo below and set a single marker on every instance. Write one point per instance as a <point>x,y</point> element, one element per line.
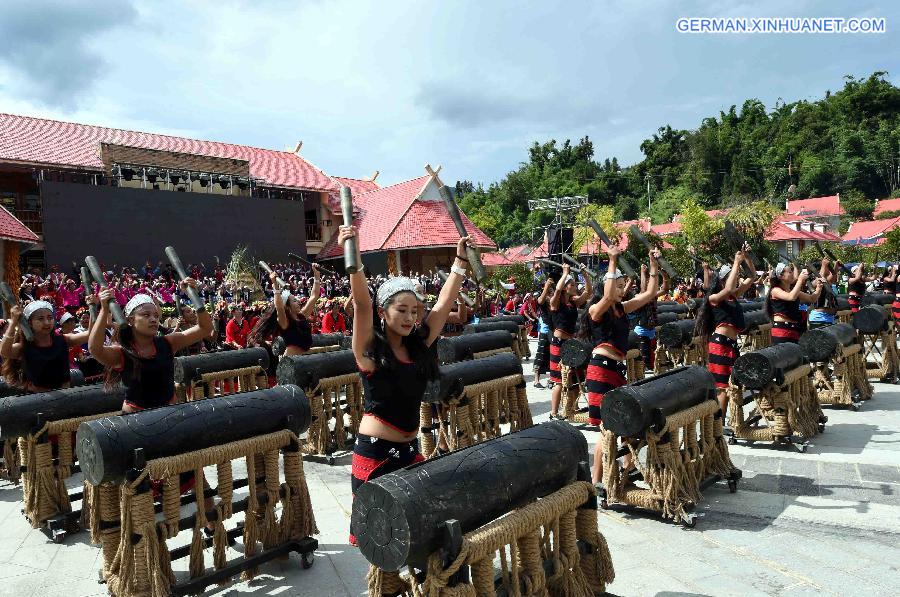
<point>559,231</point>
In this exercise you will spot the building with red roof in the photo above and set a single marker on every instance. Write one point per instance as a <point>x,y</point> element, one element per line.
<point>818,209</point>
<point>870,232</point>
<point>674,227</point>
<point>792,234</point>
<point>886,205</point>
<point>406,227</point>
<point>36,152</point>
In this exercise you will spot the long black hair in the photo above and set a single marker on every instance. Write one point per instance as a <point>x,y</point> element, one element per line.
<point>123,335</point>
<point>704,325</point>
<point>424,356</point>
<point>774,282</point>
<point>267,326</point>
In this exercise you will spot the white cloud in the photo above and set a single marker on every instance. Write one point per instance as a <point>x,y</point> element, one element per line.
<point>392,85</point>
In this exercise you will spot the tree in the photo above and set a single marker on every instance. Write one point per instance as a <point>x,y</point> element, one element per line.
<point>856,205</point>
<point>584,234</point>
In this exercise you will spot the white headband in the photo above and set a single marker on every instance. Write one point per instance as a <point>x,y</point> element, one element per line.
<point>33,306</point>
<point>136,301</point>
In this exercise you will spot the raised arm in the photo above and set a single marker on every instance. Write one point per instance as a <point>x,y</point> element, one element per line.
<point>110,356</point>
<point>665,285</point>
<point>649,292</point>
<point>9,348</point>
<point>278,301</point>
<point>606,302</point>
<point>314,293</point>
<point>557,292</point>
<point>438,315</point>
<point>361,341</point>
<point>587,292</point>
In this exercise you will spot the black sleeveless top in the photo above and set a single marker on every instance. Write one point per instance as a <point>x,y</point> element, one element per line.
<point>298,333</point>
<point>889,287</point>
<point>611,330</point>
<point>857,288</point>
<point>395,395</point>
<point>788,309</point>
<point>151,384</point>
<point>564,318</point>
<point>47,366</point>
<point>728,313</point>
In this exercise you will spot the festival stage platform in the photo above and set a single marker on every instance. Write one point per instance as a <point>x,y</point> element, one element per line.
<point>826,522</point>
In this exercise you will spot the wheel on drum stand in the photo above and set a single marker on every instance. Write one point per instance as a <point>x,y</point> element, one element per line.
<point>307,560</point>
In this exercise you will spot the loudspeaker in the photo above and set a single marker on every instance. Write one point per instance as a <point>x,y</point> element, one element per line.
<point>559,240</point>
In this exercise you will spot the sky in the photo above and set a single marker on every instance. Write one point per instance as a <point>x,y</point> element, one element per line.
<point>392,85</point>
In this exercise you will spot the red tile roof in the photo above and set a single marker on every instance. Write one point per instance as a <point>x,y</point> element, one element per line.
<point>816,206</point>
<point>392,218</point>
<point>52,142</point>
<point>427,224</point>
<point>887,205</point>
<point>526,253</point>
<point>666,229</point>
<point>871,228</point>
<point>357,185</point>
<point>495,259</point>
<point>12,229</point>
<point>779,230</point>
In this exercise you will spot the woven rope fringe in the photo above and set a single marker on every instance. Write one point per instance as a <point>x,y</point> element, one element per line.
<point>545,530</point>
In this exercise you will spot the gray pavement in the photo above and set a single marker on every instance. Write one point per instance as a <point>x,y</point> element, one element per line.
<point>826,522</point>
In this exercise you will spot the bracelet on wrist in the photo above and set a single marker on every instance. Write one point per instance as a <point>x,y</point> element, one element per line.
<point>462,259</point>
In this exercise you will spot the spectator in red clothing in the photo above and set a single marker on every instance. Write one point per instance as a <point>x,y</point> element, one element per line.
<point>511,304</point>
<point>333,320</point>
<point>237,329</point>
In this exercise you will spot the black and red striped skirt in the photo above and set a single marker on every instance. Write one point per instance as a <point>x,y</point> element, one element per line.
<point>855,302</point>
<point>723,352</point>
<point>785,331</point>
<point>603,374</point>
<point>374,457</point>
<point>555,353</point>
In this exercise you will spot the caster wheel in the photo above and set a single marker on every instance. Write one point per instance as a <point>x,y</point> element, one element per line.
<point>307,560</point>
<point>803,449</point>
<point>821,427</point>
<point>331,461</point>
<point>604,505</point>
<point>690,522</point>
<point>732,441</point>
<point>732,486</point>
<point>59,536</point>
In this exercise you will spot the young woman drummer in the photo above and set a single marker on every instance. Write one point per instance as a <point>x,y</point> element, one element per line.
<point>289,317</point>
<point>646,320</point>
<point>721,319</point>
<point>42,364</point>
<point>822,312</point>
<point>395,362</point>
<point>564,306</point>
<point>605,325</point>
<point>783,302</point>
<point>144,362</point>
<point>856,287</point>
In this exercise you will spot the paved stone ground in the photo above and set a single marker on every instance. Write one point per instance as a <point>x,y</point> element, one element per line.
<point>822,523</point>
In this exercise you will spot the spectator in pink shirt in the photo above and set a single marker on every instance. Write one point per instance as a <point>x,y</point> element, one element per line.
<point>70,296</point>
